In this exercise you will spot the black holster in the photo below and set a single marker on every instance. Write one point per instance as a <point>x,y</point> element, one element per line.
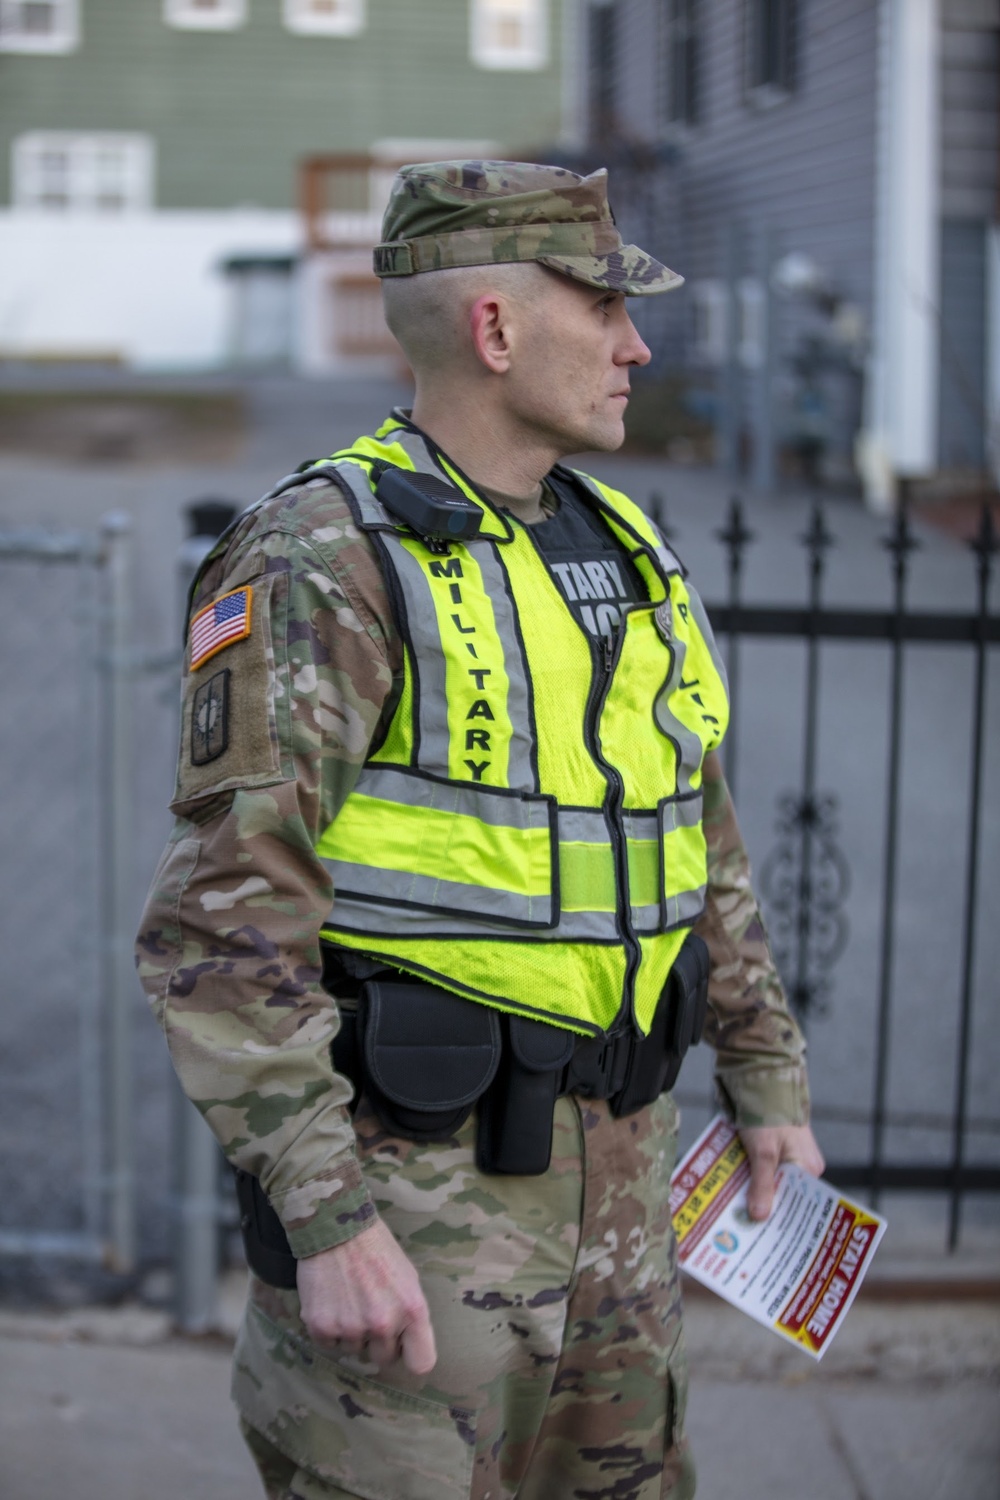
<point>515,1114</point>
<point>268,1253</point>
<point>677,1025</point>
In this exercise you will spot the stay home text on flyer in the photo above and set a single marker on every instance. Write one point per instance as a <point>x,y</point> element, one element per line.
<point>798,1271</point>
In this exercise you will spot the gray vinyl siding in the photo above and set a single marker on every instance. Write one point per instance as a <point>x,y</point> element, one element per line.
<point>970,104</point>
<point>962,383</point>
<point>805,168</point>
<point>970,107</point>
<point>801,171</point>
<point>232,112</point>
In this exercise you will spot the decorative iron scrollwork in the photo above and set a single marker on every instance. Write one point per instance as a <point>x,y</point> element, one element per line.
<point>804,883</point>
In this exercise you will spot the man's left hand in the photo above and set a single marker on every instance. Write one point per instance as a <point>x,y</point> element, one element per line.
<point>768,1146</point>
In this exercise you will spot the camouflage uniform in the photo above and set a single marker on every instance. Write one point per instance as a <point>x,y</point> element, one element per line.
<point>555,1299</point>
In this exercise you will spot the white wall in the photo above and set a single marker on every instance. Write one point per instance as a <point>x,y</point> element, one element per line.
<point>900,437</point>
<point>146,287</point>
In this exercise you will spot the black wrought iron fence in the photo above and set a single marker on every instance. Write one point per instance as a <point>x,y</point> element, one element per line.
<point>805,877</point>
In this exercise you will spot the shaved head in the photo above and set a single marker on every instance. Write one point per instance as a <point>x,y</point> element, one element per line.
<point>429,314</point>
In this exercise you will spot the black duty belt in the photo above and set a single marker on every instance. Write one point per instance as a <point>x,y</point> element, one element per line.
<point>425,1057</point>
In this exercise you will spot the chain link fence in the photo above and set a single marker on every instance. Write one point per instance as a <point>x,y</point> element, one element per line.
<point>65,1114</point>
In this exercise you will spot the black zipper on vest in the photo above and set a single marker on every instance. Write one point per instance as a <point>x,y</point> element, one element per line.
<point>606,654</point>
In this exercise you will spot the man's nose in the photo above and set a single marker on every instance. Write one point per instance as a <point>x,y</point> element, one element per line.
<point>633,350</point>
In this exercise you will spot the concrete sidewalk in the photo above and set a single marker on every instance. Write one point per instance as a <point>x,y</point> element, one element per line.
<point>105,1404</point>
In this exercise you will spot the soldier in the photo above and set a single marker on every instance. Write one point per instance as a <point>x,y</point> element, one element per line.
<point>448,809</point>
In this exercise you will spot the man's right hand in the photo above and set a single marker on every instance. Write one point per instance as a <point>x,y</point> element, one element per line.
<point>365,1294</point>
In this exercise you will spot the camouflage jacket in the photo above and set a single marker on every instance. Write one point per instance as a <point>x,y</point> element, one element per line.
<point>276,725</point>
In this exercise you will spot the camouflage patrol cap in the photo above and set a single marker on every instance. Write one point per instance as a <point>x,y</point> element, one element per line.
<point>480,213</point>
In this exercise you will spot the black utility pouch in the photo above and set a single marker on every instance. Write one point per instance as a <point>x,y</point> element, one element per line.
<point>677,1025</point>
<point>265,1243</point>
<point>345,1049</point>
<point>689,1002</point>
<point>515,1117</point>
<point>427,1056</point>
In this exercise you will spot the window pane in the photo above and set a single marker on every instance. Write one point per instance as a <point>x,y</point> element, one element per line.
<point>509,32</point>
<point>111,173</point>
<point>39,26</point>
<point>771,44</point>
<point>38,18</point>
<point>204,15</point>
<point>325,17</point>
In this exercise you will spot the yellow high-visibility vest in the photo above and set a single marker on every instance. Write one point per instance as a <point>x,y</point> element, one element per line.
<point>528,834</point>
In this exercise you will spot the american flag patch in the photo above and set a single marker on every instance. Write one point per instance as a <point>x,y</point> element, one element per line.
<point>220,624</point>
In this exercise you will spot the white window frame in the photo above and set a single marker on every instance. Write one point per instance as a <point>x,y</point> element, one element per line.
<point>682,63</point>
<point>64,37</point>
<point>530,55</point>
<point>348,20</point>
<point>772,39</point>
<point>710,322</point>
<point>187,15</point>
<point>82,152</point>
<point>751,323</point>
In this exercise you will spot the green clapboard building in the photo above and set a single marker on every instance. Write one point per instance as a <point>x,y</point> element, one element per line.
<point>152,151</point>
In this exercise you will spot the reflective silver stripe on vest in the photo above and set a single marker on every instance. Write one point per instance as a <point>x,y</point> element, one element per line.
<point>440,904</point>
<point>414,445</point>
<point>685,907</point>
<point>428,662</point>
<point>464,899</point>
<point>645,826</point>
<point>429,893</point>
<point>583,825</point>
<point>498,808</point>
<point>372,511</point>
<point>389,922</point>
<point>697,610</point>
<point>680,812</point>
<point>689,745</point>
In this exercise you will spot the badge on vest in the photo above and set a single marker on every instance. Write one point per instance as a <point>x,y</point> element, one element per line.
<point>210,719</point>
<point>664,618</point>
<point>220,625</point>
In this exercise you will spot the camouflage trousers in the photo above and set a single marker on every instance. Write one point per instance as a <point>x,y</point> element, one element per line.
<point>556,1307</point>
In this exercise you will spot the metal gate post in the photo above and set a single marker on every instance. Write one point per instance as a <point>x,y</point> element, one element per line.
<point>764,456</point>
<point>197,1157</point>
<point>728,417</point>
<point>117,886</point>
<point>196,1242</point>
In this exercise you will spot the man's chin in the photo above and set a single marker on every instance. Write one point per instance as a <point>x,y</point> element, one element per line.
<point>606,438</point>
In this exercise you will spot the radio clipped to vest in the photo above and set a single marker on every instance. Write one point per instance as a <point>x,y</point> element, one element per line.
<point>434,509</point>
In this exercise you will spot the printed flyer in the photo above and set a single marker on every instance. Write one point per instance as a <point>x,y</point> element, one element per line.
<point>797,1272</point>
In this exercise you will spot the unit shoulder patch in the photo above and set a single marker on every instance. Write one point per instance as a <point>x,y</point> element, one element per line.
<point>220,624</point>
<point>210,719</point>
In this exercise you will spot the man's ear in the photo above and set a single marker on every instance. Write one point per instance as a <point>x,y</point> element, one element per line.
<point>489,330</point>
